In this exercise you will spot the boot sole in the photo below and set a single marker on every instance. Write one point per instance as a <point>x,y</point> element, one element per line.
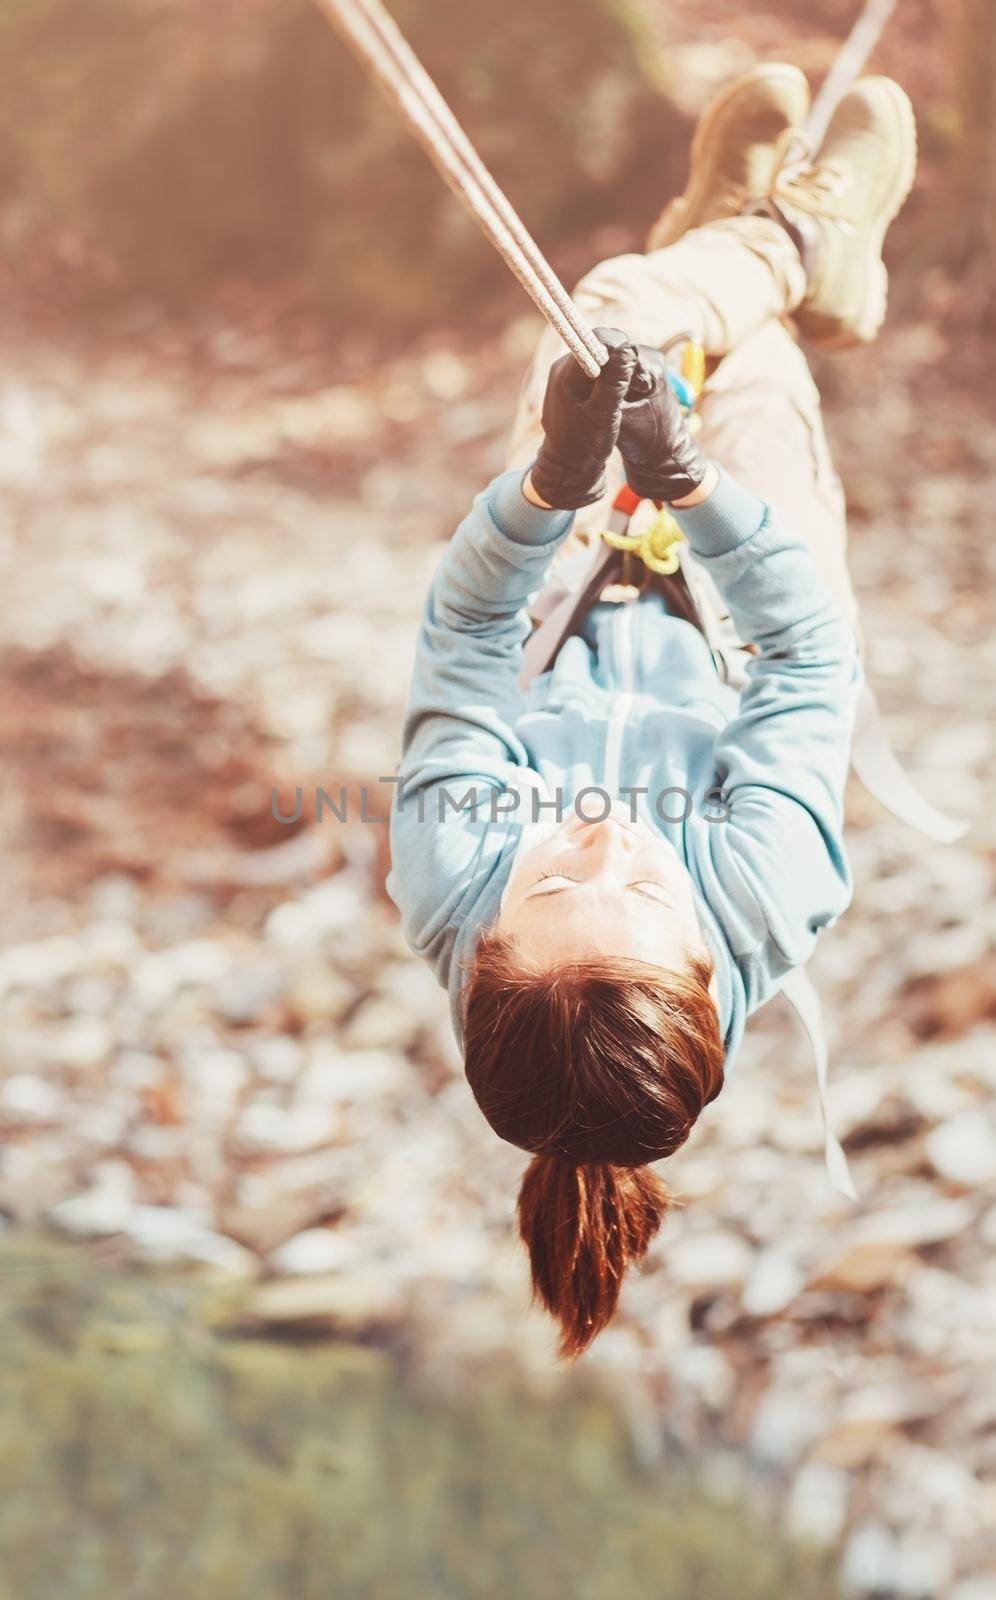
<point>869,319</point>
<point>669,226</point>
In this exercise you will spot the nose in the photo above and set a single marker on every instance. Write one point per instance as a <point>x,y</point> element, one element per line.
<point>607,842</point>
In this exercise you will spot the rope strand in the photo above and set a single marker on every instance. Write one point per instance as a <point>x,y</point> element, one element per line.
<point>374,37</point>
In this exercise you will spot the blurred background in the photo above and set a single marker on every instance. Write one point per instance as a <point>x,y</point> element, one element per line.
<point>265,1325</point>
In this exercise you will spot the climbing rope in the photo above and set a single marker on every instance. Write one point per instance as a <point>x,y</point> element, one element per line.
<point>850,60</point>
<point>376,39</point>
<point>380,45</point>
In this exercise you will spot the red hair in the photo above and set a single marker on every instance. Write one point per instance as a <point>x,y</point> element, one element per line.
<point>596,1067</point>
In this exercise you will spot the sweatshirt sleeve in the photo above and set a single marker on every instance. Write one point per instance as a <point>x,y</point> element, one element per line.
<point>782,762</point>
<point>459,740</point>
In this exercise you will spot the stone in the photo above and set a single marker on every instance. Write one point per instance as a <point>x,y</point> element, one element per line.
<point>316,1250</point>
<point>247,992</point>
<point>980,1587</point>
<point>352,1077</point>
<point>713,1260</point>
<point>95,1215</point>
<point>924,1566</point>
<point>317,993</point>
<point>163,1236</point>
<point>871,1559</point>
<point>707,1373</point>
<point>774,1282</point>
<point>870,1416</point>
<point>962,1150</point>
<point>879,1249</point>
<point>27,1101</point>
<point>331,1302</point>
<point>380,1022</point>
<point>785,1425</point>
<point>817,1505</point>
<point>83,1043</point>
<point>278,1060</point>
<point>285,1129</point>
<point>214,1079</point>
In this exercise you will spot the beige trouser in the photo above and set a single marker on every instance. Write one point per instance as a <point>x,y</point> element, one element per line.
<point>729,285</point>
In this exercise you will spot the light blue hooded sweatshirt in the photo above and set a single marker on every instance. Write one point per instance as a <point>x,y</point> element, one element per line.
<point>635,708</point>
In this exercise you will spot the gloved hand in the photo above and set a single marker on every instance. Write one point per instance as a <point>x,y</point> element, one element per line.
<point>581,418</point>
<point>662,460</point>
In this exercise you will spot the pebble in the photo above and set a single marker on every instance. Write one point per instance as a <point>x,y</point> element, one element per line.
<point>316,1250</point>
<point>284,1129</point>
<point>774,1282</point>
<point>980,1587</point>
<point>871,1560</point>
<point>27,1101</point>
<point>95,1215</point>
<point>353,1303</point>
<point>162,1236</point>
<point>714,1260</point>
<point>962,1150</point>
<point>817,1507</point>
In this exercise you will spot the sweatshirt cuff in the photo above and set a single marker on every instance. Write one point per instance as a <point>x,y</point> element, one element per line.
<point>729,517</point>
<point>517,517</point>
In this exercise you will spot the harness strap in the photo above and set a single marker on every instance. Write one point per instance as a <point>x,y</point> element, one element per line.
<point>802,996</point>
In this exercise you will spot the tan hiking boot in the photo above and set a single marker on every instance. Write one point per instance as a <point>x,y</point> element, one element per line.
<point>736,150</point>
<point>840,208</point>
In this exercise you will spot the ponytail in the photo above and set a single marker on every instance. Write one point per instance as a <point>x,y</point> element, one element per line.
<point>582,1226</point>
<point>596,1068</point>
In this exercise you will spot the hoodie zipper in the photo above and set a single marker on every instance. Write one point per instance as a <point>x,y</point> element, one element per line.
<point>623,703</point>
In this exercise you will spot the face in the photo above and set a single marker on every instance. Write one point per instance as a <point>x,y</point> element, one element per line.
<point>607,888</point>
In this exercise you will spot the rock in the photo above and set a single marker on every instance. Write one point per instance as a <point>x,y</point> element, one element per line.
<point>817,1506</point>
<point>871,1559</point>
<point>869,1417</point>
<point>83,1043</point>
<point>707,1373</point>
<point>278,1060</point>
<point>879,1249</point>
<point>784,1426</point>
<point>774,1282</point>
<point>318,994</point>
<point>103,1125</point>
<point>214,1079</point>
<point>316,1250</point>
<point>380,1022</point>
<point>95,1215</point>
<point>27,1101</point>
<point>980,1587</point>
<point>283,1129</point>
<point>716,1260</point>
<point>925,1565</point>
<point>987,1229</point>
<point>163,1236</point>
<point>353,1077</point>
<point>963,1150</point>
<point>32,965</point>
<point>245,993</point>
<point>353,1303</point>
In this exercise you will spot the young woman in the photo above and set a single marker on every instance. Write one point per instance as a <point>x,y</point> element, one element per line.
<point>613,868</point>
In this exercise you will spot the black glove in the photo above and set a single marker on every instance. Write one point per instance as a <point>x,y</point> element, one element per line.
<point>662,460</point>
<point>581,418</point>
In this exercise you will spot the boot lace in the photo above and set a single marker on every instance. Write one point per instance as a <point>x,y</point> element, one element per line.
<point>818,188</point>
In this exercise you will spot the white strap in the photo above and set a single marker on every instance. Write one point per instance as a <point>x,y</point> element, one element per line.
<point>874,761</point>
<point>805,1002</point>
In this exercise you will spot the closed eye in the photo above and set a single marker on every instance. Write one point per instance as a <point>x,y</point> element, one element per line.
<point>551,883</point>
<point>651,890</point>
